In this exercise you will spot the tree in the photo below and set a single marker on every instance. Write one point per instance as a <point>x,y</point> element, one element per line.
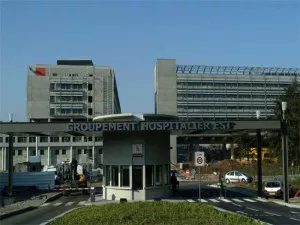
<point>292,115</point>
<point>244,144</point>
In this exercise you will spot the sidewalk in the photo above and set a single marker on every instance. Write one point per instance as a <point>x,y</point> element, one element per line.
<point>24,206</point>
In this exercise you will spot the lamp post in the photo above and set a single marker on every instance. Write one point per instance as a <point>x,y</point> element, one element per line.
<point>284,153</point>
<point>259,158</point>
<point>10,159</point>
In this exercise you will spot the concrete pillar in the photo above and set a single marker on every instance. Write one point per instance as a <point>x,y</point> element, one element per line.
<point>27,154</point>
<point>3,158</point>
<point>93,156</point>
<point>232,157</point>
<point>36,145</point>
<point>173,145</point>
<point>71,153</point>
<point>49,156</point>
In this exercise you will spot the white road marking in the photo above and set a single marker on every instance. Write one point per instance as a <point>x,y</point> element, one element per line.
<point>213,200</point>
<point>45,204</point>
<point>249,200</point>
<point>81,203</point>
<point>224,200</point>
<point>261,200</point>
<point>57,204</point>
<point>273,214</point>
<point>294,219</point>
<point>69,203</point>
<point>237,200</point>
<point>236,204</point>
<point>202,200</point>
<point>295,212</point>
<point>252,209</point>
<point>191,200</point>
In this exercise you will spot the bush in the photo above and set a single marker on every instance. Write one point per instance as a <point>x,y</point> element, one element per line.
<point>160,212</point>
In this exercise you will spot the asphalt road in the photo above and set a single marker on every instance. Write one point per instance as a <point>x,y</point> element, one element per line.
<point>46,211</point>
<point>263,210</point>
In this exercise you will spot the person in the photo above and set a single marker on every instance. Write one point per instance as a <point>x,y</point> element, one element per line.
<point>174,183</point>
<point>74,165</point>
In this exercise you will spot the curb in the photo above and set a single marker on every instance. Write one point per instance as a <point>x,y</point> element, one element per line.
<point>29,208</point>
<point>53,198</point>
<point>290,205</point>
<point>16,212</point>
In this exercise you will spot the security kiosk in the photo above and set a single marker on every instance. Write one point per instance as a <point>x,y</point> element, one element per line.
<point>136,160</point>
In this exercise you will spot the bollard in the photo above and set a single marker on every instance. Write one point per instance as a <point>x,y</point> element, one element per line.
<point>92,192</point>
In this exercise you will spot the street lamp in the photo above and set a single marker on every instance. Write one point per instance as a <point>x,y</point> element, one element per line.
<point>259,158</point>
<point>284,153</point>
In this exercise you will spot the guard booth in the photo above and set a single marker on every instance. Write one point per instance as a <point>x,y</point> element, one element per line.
<point>136,163</point>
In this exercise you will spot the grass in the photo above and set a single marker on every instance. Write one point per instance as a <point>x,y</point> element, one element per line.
<point>156,213</point>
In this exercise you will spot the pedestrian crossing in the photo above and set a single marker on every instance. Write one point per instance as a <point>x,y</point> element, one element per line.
<point>226,200</point>
<point>55,204</point>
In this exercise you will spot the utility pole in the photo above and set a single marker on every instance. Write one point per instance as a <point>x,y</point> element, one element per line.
<point>10,159</point>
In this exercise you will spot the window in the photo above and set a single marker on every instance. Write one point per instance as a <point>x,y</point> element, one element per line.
<point>56,152</point>
<point>100,151</point>
<point>66,139</point>
<point>158,175</point>
<point>124,176</point>
<point>137,177</point>
<point>31,139</point>
<point>149,176</point>
<point>90,99</point>
<point>107,175</point>
<point>54,139</point>
<point>90,87</point>
<point>22,139</point>
<point>63,151</point>
<point>54,74</point>
<point>166,174</point>
<point>20,152</point>
<point>52,99</point>
<point>86,139</point>
<point>76,139</point>
<point>90,153</point>
<point>32,152</point>
<point>79,151</point>
<point>42,152</point>
<point>115,175</point>
<point>1,139</point>
<point>85,151</point>
<point>52,86</point>
<point>43,139</point>
<point>90,112</point>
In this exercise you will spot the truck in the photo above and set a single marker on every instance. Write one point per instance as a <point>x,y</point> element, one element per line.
<point>67,181</point>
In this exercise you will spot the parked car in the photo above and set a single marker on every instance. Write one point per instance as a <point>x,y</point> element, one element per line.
<point>237,176</point>
<point>274,188</point>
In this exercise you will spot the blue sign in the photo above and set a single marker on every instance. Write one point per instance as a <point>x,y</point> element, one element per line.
<point>193,172</point>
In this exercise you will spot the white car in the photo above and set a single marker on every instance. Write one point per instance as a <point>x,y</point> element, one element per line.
<point>237,176</point>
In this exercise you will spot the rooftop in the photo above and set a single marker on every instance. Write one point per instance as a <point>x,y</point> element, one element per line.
<point>237,70</point>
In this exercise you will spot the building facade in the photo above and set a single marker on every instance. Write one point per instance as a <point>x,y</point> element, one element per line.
<point>218,92</point>
<point>71,90</point>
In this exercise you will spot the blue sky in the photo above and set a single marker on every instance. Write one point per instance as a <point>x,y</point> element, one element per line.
<point>131,35</point>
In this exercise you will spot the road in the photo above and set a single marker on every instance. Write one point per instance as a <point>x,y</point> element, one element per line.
<point>46,211</point>
<point>260,209</point>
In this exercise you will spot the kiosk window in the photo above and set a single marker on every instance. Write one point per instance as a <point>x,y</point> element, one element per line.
<point>115,175</point>
<point>166,174</point>
<point>149,176</point>
<point>159,174</point>
<point>107,175</point>
<point>124,176</point>
<point>137,177</point>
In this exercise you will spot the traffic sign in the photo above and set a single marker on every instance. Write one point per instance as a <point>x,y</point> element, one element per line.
<point>199,159</point>
<point>193,172</point>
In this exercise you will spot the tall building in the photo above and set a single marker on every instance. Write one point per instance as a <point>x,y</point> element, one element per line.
<point>71,90</point>
<point>218,92</point>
